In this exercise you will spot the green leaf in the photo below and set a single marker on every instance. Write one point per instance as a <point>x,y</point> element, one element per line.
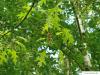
<point>67,37</point>
<point>21,45</point>
<point>41,58</point>
<point>22,38</point>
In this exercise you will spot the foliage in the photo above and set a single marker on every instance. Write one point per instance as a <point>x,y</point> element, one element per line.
<point>41,37</point>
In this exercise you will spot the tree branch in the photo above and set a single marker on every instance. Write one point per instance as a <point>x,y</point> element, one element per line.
<point>25,17</point>
<point>77,19</point>
<point>71,57</point>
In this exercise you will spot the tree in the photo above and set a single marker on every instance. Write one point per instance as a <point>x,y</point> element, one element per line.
<point>49,37</point>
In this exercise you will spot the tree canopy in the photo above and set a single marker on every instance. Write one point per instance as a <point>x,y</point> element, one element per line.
<point>49,37</point>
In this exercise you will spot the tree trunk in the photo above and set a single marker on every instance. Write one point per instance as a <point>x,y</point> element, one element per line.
<point>76,9</point>
<point>67,66</point>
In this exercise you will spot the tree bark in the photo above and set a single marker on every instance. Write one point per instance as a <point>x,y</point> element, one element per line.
<point>77,14</point>
<point>67,66</point>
